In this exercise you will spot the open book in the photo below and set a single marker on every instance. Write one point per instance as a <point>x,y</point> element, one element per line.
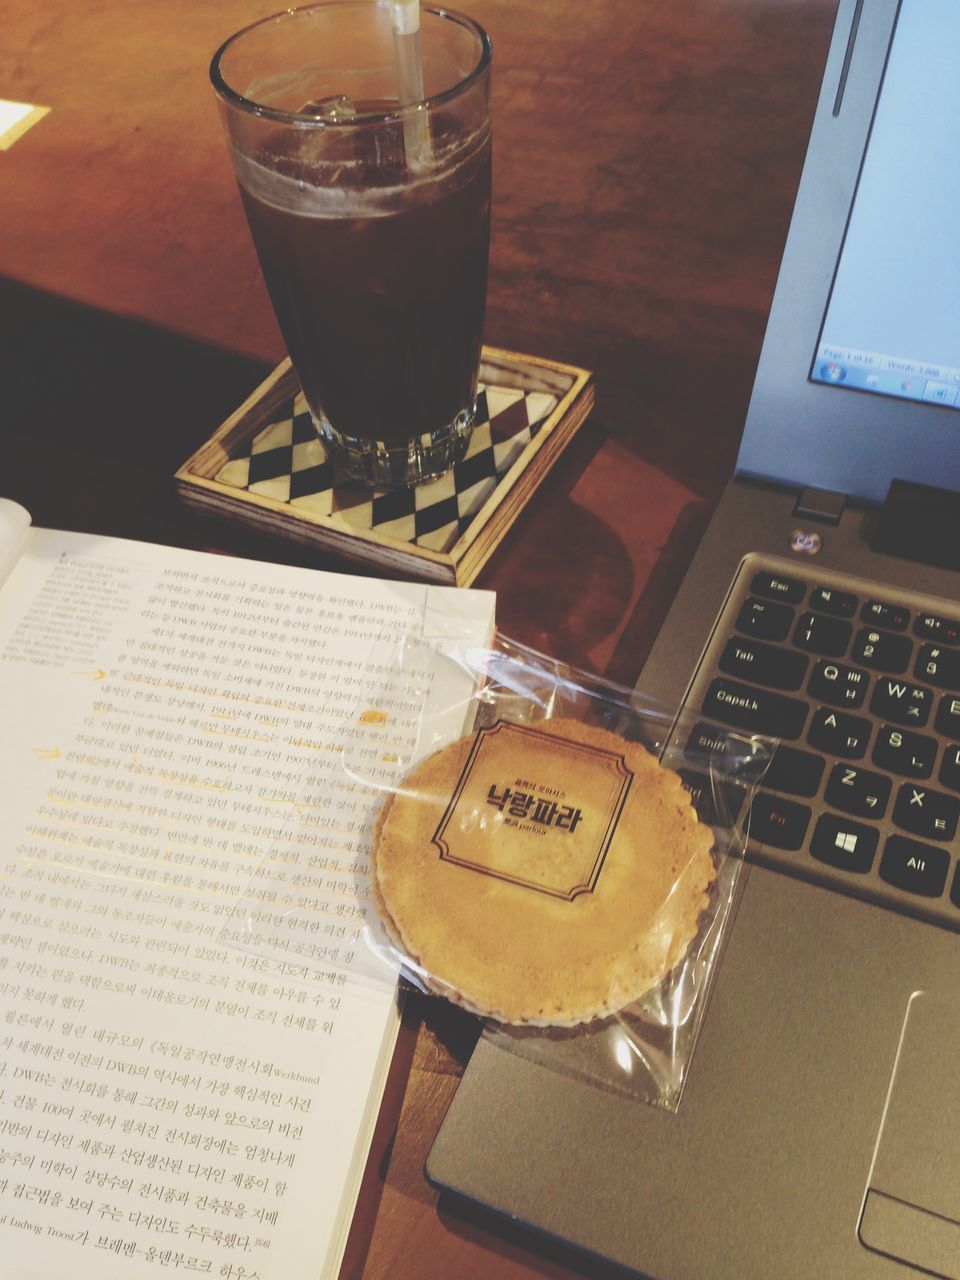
<point>170,1098</point>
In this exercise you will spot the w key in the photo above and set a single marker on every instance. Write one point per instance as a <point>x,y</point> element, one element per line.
<point>901,702</point>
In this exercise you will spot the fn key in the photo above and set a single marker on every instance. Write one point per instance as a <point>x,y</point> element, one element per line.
<point>778,822</point>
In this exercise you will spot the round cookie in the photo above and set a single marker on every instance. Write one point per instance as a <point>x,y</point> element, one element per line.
<point>499,914</point>
<point>546,874</point>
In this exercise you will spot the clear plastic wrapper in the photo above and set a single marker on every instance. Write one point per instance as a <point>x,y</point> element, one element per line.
<point>528,841</point>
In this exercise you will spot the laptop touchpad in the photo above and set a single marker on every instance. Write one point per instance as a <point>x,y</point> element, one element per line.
<point>912,1208</point>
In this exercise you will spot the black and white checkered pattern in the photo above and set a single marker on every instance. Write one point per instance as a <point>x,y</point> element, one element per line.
<point>287,461</point>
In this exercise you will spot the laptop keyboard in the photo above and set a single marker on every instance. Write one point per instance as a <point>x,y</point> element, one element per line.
<point>862,688</point>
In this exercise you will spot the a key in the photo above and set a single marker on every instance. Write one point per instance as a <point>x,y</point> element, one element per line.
<point>882,651</point>
<point>838,733</point>
<point>918,868</point>
<point>905,703</point>
<point>838,684</point>
<point>857,791</point>
<point>843,843</point>
<point>763,663</point>
<point>925,812</point>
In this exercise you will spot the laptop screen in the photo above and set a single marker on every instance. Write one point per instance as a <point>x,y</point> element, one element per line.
<point>859,377</point>
<point>892,324</point>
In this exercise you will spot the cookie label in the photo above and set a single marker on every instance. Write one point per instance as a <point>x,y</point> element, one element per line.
<point>535,809</point>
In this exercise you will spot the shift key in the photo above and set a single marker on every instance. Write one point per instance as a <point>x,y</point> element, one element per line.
<point>756,709</point>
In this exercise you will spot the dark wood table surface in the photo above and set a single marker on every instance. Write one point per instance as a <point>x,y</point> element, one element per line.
<point>646,160</point>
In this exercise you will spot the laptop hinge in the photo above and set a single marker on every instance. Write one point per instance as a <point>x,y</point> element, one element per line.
<point>920,522</point>
<point>820,504</point>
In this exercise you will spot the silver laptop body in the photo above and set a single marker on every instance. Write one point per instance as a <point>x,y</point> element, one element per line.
<point>818,1133</point>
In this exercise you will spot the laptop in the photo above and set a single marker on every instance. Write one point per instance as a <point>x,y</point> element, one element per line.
<point>818,1132</point>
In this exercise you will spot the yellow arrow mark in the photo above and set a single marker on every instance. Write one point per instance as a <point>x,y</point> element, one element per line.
<point>47,753</point>
<point>99,674</point>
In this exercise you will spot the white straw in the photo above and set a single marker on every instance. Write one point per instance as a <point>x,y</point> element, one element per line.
<point>409,64</point>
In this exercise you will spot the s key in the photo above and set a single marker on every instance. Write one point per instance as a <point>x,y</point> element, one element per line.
<point>909,754</point>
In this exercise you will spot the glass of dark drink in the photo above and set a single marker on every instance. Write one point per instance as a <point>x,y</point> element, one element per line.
<point>361,147</point>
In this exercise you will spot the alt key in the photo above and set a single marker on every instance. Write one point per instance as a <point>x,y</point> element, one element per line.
<point>918,868</point>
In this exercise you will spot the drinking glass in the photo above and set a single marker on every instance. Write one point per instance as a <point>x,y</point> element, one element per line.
<point>363,164</point>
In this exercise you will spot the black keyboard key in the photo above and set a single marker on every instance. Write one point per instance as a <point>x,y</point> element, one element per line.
<point>777,586</point>
<point>950,767</point>
<point>926,813</point>
<point>765,619</point>
<point>708,742</point>
<point>891,617</point>
<point>717,802</point>
<point>908,704</point>
<point>948,717</point>
<point>857,791</point>
<point>838,684</point>
<point>882,651</point>
<point>939,666</point>
<point>842,604</point>
<point>910,754</point>
<point>793,771</point>
<point>843,843</point>
<point>763,663</point>
<point>758,710</point>
<point>778,822</point>
<point>918,868</point>
<point>929,626</point>
<point>819,633</point>
<point>838,733</point>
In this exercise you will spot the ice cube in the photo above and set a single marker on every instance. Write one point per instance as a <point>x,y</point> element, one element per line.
<point>336,108</point>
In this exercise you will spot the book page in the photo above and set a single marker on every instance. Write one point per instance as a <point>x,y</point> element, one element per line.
<point>14,526</point>
<point>169,1100</point>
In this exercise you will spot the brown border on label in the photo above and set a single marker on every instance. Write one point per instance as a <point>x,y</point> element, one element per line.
<point>616,758</point>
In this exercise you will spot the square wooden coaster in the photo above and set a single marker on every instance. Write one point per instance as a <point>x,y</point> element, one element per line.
<point>267,468</point>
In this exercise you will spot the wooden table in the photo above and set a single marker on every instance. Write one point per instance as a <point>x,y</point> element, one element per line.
<point>646,159</point>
